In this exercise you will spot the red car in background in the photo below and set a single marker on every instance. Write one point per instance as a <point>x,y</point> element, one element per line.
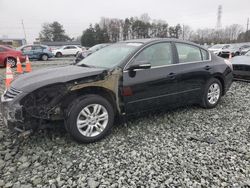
<point>10,55</point>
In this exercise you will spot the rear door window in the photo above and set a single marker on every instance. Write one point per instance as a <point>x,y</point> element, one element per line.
<point>188,53</point>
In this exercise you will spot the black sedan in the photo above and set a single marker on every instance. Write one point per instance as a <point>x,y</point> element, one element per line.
<point>119,80</point>
<point>241,67</point>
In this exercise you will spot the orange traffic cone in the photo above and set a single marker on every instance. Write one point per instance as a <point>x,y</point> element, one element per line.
<point>19,69</point>
<point>28,65</point>
<point>9,75</point>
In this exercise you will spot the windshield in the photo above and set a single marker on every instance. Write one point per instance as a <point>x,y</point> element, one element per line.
<point>110,56</point>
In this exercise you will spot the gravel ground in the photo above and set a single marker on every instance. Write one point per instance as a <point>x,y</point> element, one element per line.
<point>187,147</point>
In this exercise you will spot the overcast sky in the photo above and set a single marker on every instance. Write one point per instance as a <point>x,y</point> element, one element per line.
<point>76,15</point>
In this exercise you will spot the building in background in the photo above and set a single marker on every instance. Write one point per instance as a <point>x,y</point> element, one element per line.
<point>14,42</point>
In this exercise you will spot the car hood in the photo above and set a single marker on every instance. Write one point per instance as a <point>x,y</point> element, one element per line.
<point>241,60</point>
<point>31,81</point>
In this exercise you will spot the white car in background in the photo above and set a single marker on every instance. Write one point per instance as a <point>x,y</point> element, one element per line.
<point>67,51</point>
<point>216,49</point>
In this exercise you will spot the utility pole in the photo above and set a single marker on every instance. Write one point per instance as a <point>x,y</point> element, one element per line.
<point>24,31</point>
<point>219,15</point>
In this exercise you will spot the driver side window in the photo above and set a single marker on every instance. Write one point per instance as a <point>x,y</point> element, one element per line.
<point>157,55</point>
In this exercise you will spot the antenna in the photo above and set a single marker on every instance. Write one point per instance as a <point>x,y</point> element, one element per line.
<point>219,13</point>
<point>24,31</point>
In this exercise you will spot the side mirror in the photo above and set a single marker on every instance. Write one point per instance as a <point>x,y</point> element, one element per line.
<point>138,65</point>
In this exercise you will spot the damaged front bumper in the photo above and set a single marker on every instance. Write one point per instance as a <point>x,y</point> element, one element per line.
<point>12,113</point>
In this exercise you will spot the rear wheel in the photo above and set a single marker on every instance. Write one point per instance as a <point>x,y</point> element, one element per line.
<point>58,54</point>
<point>44,57</point>
<point>90,118</point>
<point>212,94</point>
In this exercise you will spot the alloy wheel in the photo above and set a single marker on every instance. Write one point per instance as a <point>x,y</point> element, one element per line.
<point>11,62</point>
<point>92,120</point>
<point>213,93</point>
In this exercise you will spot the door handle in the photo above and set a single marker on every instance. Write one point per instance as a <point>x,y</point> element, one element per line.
<point>207,67</point>
<point>171,76</point>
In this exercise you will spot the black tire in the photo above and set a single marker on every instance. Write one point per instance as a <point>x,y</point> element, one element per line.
<point>44,57</point>
<point>205,101</point>
<point>12,62</point>
<point>58,54</point>
<point>74,110</point>
<point>237,53</point>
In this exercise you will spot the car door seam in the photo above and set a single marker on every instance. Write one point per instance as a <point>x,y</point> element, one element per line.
<point>159,96</point>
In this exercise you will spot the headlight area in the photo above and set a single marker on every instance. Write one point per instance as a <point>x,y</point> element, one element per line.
<point>44,103</point>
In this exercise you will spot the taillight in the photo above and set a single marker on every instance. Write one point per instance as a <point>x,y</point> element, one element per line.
<point>229,63</point>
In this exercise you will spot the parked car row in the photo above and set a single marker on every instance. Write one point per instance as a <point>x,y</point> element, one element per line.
<point>43,52</point>
<point>240,60</point>
<point>39,52</point>
<point>224,50</point>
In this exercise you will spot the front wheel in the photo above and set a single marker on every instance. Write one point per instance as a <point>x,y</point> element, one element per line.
<point>11,61</point>
<point>212,94</point>
<point>90,118</point>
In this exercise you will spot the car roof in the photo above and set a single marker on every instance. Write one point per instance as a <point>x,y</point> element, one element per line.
<point>153,40</point>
